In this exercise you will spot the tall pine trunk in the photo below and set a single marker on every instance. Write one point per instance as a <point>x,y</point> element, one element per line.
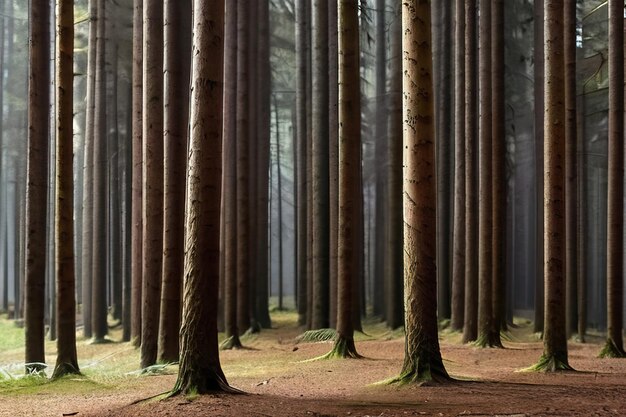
<point>333,155</point>
<point>37,183</point>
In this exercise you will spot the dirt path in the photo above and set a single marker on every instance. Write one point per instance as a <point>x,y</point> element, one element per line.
<point>279,383</point>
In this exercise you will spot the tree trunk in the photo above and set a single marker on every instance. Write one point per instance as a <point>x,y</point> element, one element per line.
<point>177,51</point>
<point>200,371</point>
<point>67,362</point>
<point>571,168</point>
<point>422,356</point>
<point>333,155</point>
<point>152,233</point>
<point>458,252</point>
<point>393,194</point>
<point>99,263</point>
<point>229,179</point>
<point>539,139</point>
<point>615,218</point>
<point>279,185</point>
<point>137,172</point>
<point>554,356</point>
<point>349,175</point>
<point>301,162</point>
<point>486,335</point>
<point>319,169</point>
<point>263,163</point>
<point>470,324</point>
<point>37,183</point>
<point>243,168</point>
<point>499,177</point>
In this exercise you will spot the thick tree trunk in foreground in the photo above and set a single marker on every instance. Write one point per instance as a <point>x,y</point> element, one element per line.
<point>422,356</point>
<point>176,121</point>
<point>200,371</point>
<point>554,356</point>
<point>37,183</point>
<point>67,362</point>
<point>458,252</point>
<point>137,173</point>
<point>470,324</point>
<point>333,154</point>
<point>615,219</point>
<point>152,178</point>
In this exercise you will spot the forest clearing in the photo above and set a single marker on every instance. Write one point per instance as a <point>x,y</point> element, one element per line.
<point>275,372</point>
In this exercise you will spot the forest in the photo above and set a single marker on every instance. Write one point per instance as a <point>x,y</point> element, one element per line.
<point>312,208</point>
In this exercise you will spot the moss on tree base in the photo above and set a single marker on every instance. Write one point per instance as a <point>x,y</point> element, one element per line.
<point>431,373</point>
<point>201,381</point>
<point>343,349</point>
<point>551,363</point>
<point>489,340</point>
<point>230,343</point>
<point>611,350</point>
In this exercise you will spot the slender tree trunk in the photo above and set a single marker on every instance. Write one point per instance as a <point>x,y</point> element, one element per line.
<point>99,262</point>
<point>37,183</point>
<point>279,184</point>
<point>67,362</point>
<point>539,138</point>
<point>499,178</point>
<point>554,356</point>
<point>333,154</point>
<point>470,326</point>
<point>152,233</point>
<point>422,356</point>
<point>581,250</point>
<point>486,335</point>
<point>319,169</point>
<point>177,46</point>
<point>243,167</point>
<point>571,166</point>
<point>301,162</point>
<point>615,218</point>
<point>229,179</point>
<point>263,163</point>
<point>137,172</point>
<point>393,195</point>
<point>458,260</point>
<point>200,371</point>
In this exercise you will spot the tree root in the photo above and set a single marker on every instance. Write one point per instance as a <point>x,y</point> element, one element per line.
<point>63,369</point>
<point>201,382</point>
<point>611,350</point>
<point>343,349</point>
<point>230,343</point>
<point>427,375</point>
<point>551,363</point>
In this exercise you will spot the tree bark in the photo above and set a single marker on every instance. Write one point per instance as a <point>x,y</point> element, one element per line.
<point>152,233</point>
<point>554,356</point>
<point>319,169</point>
<point>614,346</point>
<point>67,362</point>
<point>200,371</point>
<point>177,51</point>
<point>301,162</point>
<point>422,356</point>
<point>458,252</point>
<point>333,154</point>
<point>37,183</point>
<point>470,324</point>
<point>137,172</point>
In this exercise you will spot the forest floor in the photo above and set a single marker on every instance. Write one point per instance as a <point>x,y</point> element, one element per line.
<point>273,370</point>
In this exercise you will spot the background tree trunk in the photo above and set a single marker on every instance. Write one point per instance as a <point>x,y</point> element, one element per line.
<point>333,154</point>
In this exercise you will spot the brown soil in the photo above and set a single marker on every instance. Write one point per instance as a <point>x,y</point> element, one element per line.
<point>279,383</point>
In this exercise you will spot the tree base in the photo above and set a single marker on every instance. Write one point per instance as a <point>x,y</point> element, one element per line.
<point>611,350</point>
<point>431,373</point>
<point>552,363</point>
<point>199,382</point>
<point>99,341</point>
<point>65,368</point>
<point>343,349</point>
<point>489,340</point>
<point>230,343</point>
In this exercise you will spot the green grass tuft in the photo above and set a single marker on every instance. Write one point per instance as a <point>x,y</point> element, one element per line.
<point>313,336</point>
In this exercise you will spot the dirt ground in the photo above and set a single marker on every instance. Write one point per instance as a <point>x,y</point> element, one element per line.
<point>278,381</point>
